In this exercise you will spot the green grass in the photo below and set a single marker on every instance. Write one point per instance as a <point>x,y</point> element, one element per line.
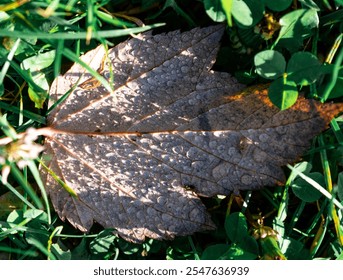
<point>301,220</point>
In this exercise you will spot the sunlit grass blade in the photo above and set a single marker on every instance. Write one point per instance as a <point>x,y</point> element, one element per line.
<point>58,57</point>
<point>316,186</point>
<point>14,228</point>
<point>296,215</point>
<point>35,117</point>
<point>90,21</point>
<point>319,237</point>
<point>337,131</point>
<point>35,172</point>
<point>328,181</point>
<point>113,20</point>
<point>25,185</point>
<point>76,236</point>
<point>335,72</point>
<point>283,206</point>
<point>77,35</point>
<point>7,63</point>
<point>321,223</point>
<point>58,180</point>
<point>334,48</point>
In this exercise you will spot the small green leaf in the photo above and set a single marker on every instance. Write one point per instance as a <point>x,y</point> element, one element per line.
<point>270,64</point>
<point>227,252</point>
<point>237,253</point>
<point>15,217</point>
<point>249,245</point>
<point>305,191</point>
<point>80,252</point>
<point>298,23</point>
<point>152,246</point>
<point>297,26</point>
<point>241,13</point>
<point>214,10</point>
<point>283,93</point>
<point>279,5</point>
<point>247,13</point>
<point>310,4</point>
<point>270,248</point>
<point>129,248</point>
<point>303,68</point>
<point>32,213</point>
<point>216,252</point>
<point>35,65</point>
<point>294,249</point>
<point>102,244</point>
<point>38,97</point>
<point>236,227</point>
<point>38,62</point>
<point>59,253</point>
<point>304,167</point>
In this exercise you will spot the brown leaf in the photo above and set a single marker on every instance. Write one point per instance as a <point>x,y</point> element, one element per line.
<point>170,122</point>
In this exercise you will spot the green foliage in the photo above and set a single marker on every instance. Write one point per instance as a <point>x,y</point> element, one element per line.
<point>296,49</point>
<point>303,190</point>
<point>236,227</point>
<point>214,10</point>
<point>289,37</point>
<point>277,6</point>
<point>283,92</point>
<point>242,246</point>
<point>303,69</point>
<point>34,66</point>
<point>270,64</point>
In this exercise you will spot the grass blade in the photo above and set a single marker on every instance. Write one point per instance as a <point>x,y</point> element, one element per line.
<point>35,172</point>
<point>25,185</point>
<point>77,35</point>
<point>328,181</point>
<point>18,194</point>
<point>316,186</point>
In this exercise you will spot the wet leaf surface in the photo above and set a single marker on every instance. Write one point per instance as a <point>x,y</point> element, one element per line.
<point>171,130</point>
